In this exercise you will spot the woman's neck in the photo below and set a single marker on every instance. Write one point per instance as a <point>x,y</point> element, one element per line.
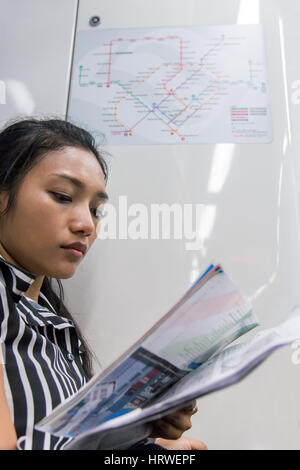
<point>34,289</point>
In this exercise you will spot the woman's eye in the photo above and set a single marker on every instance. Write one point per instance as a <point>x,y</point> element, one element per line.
<point>97,212</point>
<point>62,197</point>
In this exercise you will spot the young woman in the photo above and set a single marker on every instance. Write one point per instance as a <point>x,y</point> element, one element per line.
<point>52,189</point>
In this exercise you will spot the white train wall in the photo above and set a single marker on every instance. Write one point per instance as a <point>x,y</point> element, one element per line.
<point>249,192</point>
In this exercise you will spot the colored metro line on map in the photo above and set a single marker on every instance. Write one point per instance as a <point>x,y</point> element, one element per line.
<point>173,85</point>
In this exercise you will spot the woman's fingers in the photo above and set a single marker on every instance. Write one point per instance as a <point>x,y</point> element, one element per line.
<point>191,408</point>
<point>175,424</point>
<point>179,420</point>
<point>167,430</point>
<point>184,443</point>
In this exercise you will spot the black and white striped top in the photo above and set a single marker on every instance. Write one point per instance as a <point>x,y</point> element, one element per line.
<point>41,355</point>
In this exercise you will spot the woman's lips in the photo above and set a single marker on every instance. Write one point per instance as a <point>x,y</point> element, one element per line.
<point>77,254</point>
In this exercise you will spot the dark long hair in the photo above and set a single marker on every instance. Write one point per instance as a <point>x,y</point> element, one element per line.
<point>22,145</point>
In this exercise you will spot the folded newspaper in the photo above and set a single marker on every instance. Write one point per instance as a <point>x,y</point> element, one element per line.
<point>181,358</point>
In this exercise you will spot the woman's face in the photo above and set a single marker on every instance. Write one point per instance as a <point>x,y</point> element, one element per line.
<point>56,206</point>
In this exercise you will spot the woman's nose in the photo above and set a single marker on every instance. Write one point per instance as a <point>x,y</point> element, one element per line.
<point>82,221</point>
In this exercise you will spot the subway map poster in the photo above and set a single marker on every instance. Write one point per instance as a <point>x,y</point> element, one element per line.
<point>172,85</point>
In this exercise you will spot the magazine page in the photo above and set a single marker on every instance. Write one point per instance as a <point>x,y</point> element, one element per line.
<point>222,370</point>
<point>210,316</point>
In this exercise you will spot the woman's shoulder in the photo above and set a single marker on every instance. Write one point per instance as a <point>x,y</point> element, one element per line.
<point>14,281</point>
<point>13,284</point>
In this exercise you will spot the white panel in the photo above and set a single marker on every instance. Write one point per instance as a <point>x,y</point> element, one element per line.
<point>35,54</point>
<point>250,226</point>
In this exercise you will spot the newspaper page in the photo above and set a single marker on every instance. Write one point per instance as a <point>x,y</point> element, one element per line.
<point>222,370</point>
<point>235,361</point>
<point>208,317</point>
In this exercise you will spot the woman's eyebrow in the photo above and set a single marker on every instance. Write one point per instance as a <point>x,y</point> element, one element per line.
<point>80,184</point>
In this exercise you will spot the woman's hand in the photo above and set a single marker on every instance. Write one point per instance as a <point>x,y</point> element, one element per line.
<point>183,443</point>
<point>169,430</point>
